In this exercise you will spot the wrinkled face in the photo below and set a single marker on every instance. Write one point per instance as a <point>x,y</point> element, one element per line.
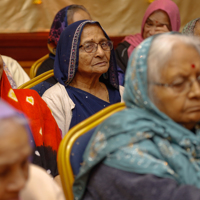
<point>93,63</point>
<point>181,102</point>
<point>197,29</point>
<point>14,152</point>
<point>157,19</point>
<point>1,67</point>
<point>79,15</point>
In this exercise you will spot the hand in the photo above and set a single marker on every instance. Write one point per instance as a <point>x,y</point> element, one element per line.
<point>161,29</point>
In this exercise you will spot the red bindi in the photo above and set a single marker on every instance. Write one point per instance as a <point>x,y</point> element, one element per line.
<point>193,66</point>
<point>156,22</point>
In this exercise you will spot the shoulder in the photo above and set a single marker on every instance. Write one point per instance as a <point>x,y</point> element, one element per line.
<point>57,94</point>
<point>38,173</point>
<point>56,90</point>
<point>12,64</point>
<point>7,59</point>
<point>41,186</point>
<point>130,38</point>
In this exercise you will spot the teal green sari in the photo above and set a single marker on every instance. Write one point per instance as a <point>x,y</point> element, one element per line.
<point>141,139</point>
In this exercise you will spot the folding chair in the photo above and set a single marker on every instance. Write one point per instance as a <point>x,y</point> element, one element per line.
<point>38,83</point>
<point>36,65</point>
<point>71,141</point>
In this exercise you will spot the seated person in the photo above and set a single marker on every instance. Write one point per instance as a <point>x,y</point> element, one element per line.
<point>63,18</point>
<point>150,150</point>
<point>17,72</point>
<point>161,16</point>
<point>44,128</point>
<point>86,70</point>
<point>192,28</point>
<point>18,178</point>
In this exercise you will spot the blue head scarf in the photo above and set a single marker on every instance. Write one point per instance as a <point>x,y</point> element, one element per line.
<point>67,55</point>
<point>6,111</point>
<point>141,139</point>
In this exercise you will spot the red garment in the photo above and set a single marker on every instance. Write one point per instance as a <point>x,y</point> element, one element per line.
<point>43,125</point>
<point>44,128</point>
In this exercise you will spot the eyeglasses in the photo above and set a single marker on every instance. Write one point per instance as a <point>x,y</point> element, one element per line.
<point>91,47</point>
<point>182,87</point>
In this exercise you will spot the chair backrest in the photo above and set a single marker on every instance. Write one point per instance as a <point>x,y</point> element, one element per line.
<point>36,65</point>
<point>85,127</point>
<point>79,146</point>
<point>38,79</point>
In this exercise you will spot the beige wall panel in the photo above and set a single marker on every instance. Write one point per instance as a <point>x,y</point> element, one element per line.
<point>118,17</point>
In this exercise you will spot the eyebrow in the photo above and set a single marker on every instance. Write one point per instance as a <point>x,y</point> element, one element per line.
<point>148,19</point>
<point>180,75</point>
<point>101,40</point>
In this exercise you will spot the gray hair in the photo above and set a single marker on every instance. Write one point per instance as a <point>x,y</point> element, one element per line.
<point>72,9</point>
<point>161,50</point>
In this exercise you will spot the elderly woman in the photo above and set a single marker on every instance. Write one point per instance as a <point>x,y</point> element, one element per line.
<point>63,18</point>
<point>46,134</point>
<point>85,68</point>
<point>192,28</point>
<point>18,178</point>
<point>161,16</point>
<point>151,149</point>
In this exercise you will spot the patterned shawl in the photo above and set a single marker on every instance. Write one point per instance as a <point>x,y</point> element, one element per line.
<point>57,27</point>
<point>67,55</point>
<point>141,139</point>
<point>43,126</point>
<point>189,27</point>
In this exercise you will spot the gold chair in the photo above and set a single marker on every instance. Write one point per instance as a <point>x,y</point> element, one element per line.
<point>37,80</point>
<point>36,65</point>
<point>64,165</point>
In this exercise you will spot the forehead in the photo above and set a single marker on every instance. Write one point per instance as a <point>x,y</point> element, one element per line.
<point>159,15</point>
<point>80,15</point>
<point>183,57</point>
<point>11,145</point>
<point>92,32</point>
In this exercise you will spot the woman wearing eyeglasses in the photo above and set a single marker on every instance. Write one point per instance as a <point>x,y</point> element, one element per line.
<point>86,70</point>
<point>151,150</point>
<point>160,17</point>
